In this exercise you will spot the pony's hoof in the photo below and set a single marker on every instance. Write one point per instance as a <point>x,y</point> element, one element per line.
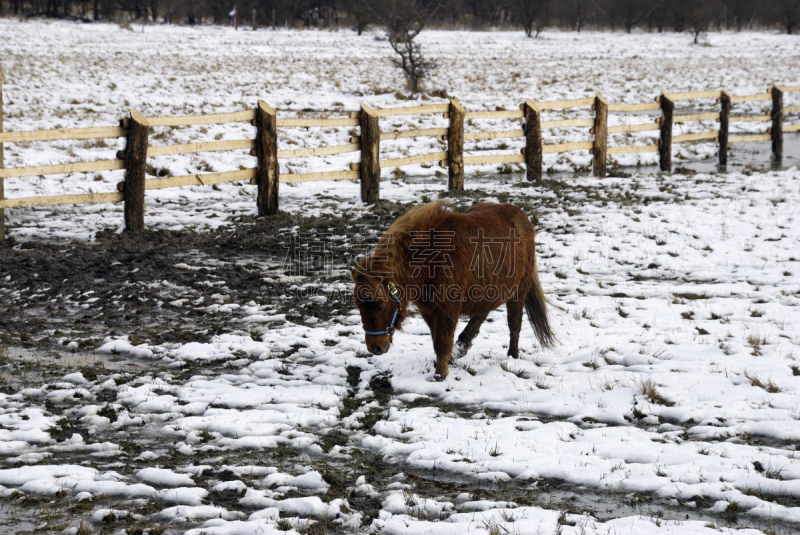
<point>459,350</point>
<point>438,377</point>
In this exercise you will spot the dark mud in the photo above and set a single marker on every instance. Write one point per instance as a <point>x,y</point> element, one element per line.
<point>125,283</point>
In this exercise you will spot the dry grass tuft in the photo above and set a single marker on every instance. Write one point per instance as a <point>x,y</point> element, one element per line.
<point>756,342</point>
<point>769,385</point>
<point>649,389</point>
<point>506,367</point>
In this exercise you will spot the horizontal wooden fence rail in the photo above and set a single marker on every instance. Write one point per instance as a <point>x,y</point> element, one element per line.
<point>326,175</point>
<point>750,118</point>
<point>209,146</point>
<point>497,134</point>
<point>577,103</point>
<point>408,160</point>
<point>216,118</point>
<point>512,114</point>
<point>412,110</point>
<point>319,151</point>
<point>690,95</point>
<point>203,179</point>
<point>695,137</point>
<point>632,150</point>
<point>62,168</point>
<point>752,98</point>
<point>62,134</point>
<point>54,200</point>
<point>494,158</point>
<point>565,123</point>
<point>634,107</point>
<point>643,127</point>
<point>264,146</point>
<point>749,137</point>
<point>697,117</point>
<point>421,132</point>
<point>309,123</point>
<point>567,147</point>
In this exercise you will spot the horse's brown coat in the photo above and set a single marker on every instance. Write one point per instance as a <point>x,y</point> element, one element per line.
<point>450,265</point>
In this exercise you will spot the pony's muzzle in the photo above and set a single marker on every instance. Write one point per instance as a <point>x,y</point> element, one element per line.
<point>377,346</point>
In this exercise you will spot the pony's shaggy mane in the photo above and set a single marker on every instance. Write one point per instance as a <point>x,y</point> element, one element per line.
<point>387,256</point>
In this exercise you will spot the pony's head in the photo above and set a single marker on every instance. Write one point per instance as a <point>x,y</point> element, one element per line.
<point>380,305</point>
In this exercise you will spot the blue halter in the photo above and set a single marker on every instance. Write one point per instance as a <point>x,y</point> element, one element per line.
<point>395,295</point>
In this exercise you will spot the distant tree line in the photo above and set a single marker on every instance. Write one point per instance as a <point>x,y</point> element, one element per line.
<point>530,16</point>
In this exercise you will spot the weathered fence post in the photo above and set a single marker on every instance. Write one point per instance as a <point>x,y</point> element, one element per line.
<point>724,122</point>
<point>533,141</point>
<point>267,154</point>
<point>135,169</point>
<point>370,168</point>
<point>777,122</point>
<point>2,189</point>
<point>665,144</point>
<point>455,147</point>
<point>600,136</point>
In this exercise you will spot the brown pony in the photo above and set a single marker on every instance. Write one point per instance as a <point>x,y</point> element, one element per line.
<point>450,265</point>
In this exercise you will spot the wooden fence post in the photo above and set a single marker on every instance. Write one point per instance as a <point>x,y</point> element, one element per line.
<point>600,136</point>
<point>2,164</point>
<point>724,122</point>
<point>370,168</point>
<point>777,122</point>
<point>135,170</point>
<point>533,141</point>
<point>665,144</point>
<point>267,154</point>
<point>455,147</point>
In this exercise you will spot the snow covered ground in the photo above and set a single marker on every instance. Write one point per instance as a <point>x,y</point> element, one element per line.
<point>671,404</point>
<point>73,75</point>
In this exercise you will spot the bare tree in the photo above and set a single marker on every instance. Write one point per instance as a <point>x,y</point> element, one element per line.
<point>403,21</point>
<point>698,18</point>
<point>579,12</point>
<point>630,13</point>
<point>789,11</point>
<point>741,11</point>
<point>530,13</point>
<point>361,12</point>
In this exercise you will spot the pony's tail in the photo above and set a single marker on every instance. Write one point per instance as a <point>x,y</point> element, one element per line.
<point>536,307</point>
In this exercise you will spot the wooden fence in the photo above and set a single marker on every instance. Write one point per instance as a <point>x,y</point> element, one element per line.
<point>265,174</point>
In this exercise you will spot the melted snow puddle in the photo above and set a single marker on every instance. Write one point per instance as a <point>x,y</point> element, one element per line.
<point>73,359</point>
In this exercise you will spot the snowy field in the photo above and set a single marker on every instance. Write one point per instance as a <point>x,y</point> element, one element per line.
<point>671,404</point>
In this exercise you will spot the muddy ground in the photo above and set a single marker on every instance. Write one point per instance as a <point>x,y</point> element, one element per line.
<point>126,284</point>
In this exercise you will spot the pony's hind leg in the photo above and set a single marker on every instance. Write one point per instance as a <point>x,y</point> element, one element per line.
<point>444,329</point>
<point>515,308</point>
<point>469,333</point>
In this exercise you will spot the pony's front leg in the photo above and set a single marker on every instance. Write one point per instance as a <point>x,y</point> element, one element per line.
<point>469,333</point>
<point>443,331</point>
